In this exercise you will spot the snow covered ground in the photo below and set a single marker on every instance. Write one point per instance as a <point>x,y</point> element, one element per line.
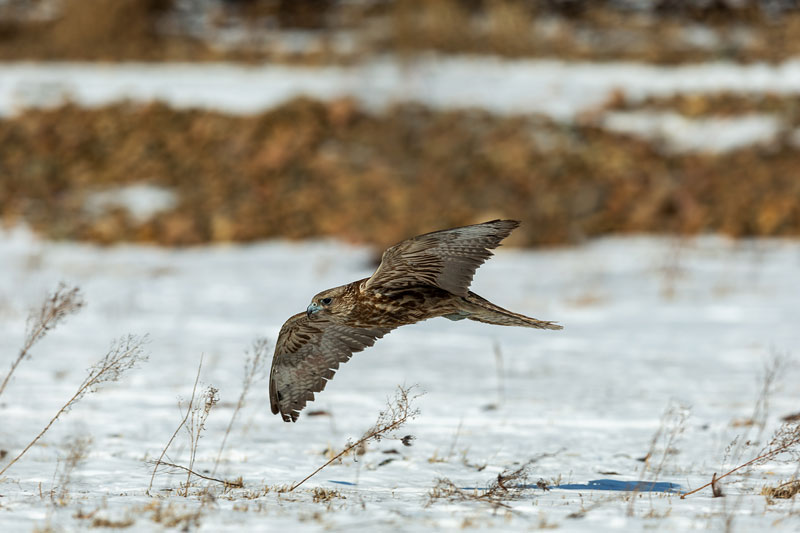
<point>652,326</point>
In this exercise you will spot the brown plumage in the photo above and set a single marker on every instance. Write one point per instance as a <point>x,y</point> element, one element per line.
<point>420,278</point>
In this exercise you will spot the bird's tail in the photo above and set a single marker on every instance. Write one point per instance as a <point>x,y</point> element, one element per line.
<point>482,310</point>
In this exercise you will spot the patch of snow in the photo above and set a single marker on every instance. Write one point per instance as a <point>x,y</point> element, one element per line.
<point>141,201</point>
<point>555,88</point>
<point>583,403</point>
<point>681,134</point>
<point>701,36</point>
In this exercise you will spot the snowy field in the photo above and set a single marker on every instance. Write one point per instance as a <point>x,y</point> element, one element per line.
<point>663,353</point>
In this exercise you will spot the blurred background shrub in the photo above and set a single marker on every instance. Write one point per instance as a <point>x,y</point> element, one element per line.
<point>312,168</point>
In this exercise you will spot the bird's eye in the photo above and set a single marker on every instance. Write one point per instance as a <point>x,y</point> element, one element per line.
<point>325,301</point>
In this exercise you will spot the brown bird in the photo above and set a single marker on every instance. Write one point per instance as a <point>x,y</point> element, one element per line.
<point>420,278</point>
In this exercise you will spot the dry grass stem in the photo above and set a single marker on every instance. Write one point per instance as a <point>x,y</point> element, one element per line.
<point>237,483</point>
<point>666,437</point>
<point>508,485</point>
<point>123,355</point>
<point>397,413</point>
<point>195,426</point>
<point>786,440</point>
<point>63,302</point>
<point>177,430</point>
<point>78,450</point>
<point>255,369</point>
<point>673,424</point>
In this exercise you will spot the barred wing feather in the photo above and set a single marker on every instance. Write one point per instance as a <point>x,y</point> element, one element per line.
<point>308,353</point>
<point>446,259</point>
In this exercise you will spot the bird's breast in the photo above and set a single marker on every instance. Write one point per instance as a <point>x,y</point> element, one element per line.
<point>402,307</point>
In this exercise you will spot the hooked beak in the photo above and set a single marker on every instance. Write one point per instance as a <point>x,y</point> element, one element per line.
<point>312,308</point>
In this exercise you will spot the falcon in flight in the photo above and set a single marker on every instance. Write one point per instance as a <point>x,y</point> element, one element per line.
<point>420,278</point>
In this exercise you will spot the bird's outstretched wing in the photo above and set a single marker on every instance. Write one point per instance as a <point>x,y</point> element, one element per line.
<point>446,259</point>
<point>308,352</point>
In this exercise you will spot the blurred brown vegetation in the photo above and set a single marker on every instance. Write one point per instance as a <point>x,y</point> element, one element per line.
<point>309,169</point>
<point>662,31</point>
<point>91,30</point>
<point>715,104</point>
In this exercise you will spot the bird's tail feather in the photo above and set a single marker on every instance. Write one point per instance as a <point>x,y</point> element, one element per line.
<point>482,310</point>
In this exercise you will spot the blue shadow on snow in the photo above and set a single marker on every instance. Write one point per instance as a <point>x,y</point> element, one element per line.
<point>595,484</point>
<point>614,484</point>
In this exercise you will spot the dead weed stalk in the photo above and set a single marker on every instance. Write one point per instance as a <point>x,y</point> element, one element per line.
<point>398,411</point>
<point>255,369</point>
<point>786,440</point>
<point>194,422</point>
<point>123,355</point>
<point>63,302</point>
<point>195,427</point>
<point>508,485</point>
<point>77,451</point>
<point>159,462</point>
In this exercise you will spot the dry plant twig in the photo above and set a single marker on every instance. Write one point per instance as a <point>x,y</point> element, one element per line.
<point>397,413</point>
<point>123,355</point>
<point>670,429</point>
<point>255,369</point>
<point>785,439</point>
<point>508,485</point>
<point>63,302</point>
<point>177,430</point>
<point>78,450</point>
<point>235,484</point>
<point>195,427</point>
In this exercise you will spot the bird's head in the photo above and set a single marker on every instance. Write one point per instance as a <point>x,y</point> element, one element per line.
<point>328,301</point>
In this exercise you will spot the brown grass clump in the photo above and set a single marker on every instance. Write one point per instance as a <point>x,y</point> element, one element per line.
<point>508,485</point>
<point>311,169</point>
<point>107,523</point>
<point>322,495</point>
<point>783,491</point>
